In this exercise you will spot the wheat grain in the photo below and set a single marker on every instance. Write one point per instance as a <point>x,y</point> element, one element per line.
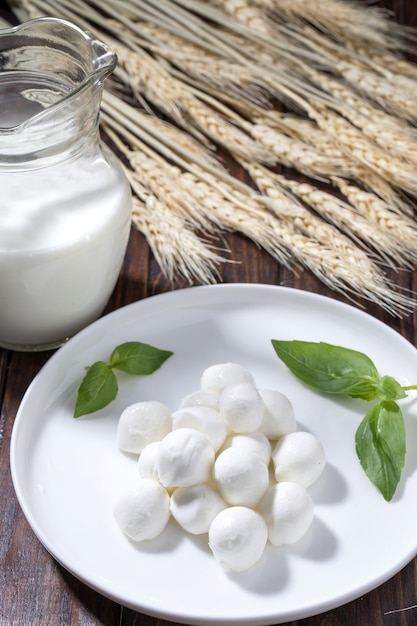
<point>401,228</point>
<point>399,141</point>
<point>324,251</point>
<point>213,70</point>
<point>304,157</point>
<point>384,234</point>
<point>347,270</point>
<point>395,64</point>
<point>366,77</point>
<point>235,211</point>
<point>280,189</point>
<point>175,100</point>
<point>366,152</point>
<point>336,272</point>
<point>390,133</point>
<point>394,97</point>
<point>214,206</point>
<point>165,182</point>
<point>327,144</point>
<point>246,14</point>
<point>379,86</point>
<point>177,249</point>
<point>376,183</point>
<point>345,21</point>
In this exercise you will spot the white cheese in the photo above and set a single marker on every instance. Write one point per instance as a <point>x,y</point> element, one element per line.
<point>288,511</point>
<point>142,423</point>
<point>237,538</point>
<point>241,477</point>
<point>242,408</point>
<point>185,457</point>
<point>194,508</point>
<point>218,377</point>
<point>142,509</point>
<point>204,419</point>
<point>251,442</point>
<point>278,418</point>
<point>298,457</point>
<point>147,461</point>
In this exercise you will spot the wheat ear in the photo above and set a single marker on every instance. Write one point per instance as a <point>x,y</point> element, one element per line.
<point>344,20</point>
<point>178,250</point>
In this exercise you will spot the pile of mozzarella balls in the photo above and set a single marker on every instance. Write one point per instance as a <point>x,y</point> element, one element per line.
<point>228,462</point>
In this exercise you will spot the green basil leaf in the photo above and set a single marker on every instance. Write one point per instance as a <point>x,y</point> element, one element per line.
<point>391,389</point>
<point>98,388</point>
<point>134,357</point>
<point>380,446</point>
<point>331,369</point>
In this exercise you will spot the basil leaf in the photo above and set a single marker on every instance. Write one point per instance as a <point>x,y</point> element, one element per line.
<point>98,388</point>
<point>134,357</point>
<point>391,389</point>
<point>380,446</point>
<point>331,369</point>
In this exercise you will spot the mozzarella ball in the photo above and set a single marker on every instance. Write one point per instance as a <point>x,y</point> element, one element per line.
<point>142,510</point>
<point>278,417</point>
<point>147,461</point>
<point>185,457</point>
<point>204,419</point>
<point>142,423</point>
<point>251,442</point>
<point>288,511</point>
<point>194,508</point>
<point>298,457</point>
<point>201,397</point>
<point>241,477</point>
<point>218,377</point>
<point>241,407</point>
<point>237,538</point>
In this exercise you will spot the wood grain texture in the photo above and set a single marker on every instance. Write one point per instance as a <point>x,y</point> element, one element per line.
<point>34,589</point>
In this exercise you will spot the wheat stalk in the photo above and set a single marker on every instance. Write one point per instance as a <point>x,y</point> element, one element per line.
<point>367,78</point>
<point>346,21</point>
<point>396,65</point>
<point>288,152</point>
<point>375,185</point>
<point>175,100</point>
<point>285,192</point>
<point>144,165</point>
<point>377,83</point>
<point>324,145</point>
<point>177,249</point>
<point>164,215</point>
<point>390,236</point>
<point>231,208</point>
<point>396,97</point>
<point>295,153</point>
<point>214,69</point>
<point>382,86</point>
<point>346,268</point>
<point>387,133</point>
<point>205,66</point>
<point>401,228</point>
<point>367,153</point>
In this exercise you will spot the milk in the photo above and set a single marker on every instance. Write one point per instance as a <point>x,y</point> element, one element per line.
<point>63,234</point>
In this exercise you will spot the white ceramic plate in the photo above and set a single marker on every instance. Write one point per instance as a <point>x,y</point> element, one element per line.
<point>66,471</point>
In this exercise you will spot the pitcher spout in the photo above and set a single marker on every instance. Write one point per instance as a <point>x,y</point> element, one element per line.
<point>51,78</point>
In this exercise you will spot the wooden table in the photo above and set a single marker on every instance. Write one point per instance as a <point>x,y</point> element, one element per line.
<point>35,590</point>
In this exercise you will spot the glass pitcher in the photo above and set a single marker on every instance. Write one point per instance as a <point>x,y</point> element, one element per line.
<point>65,203</point>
